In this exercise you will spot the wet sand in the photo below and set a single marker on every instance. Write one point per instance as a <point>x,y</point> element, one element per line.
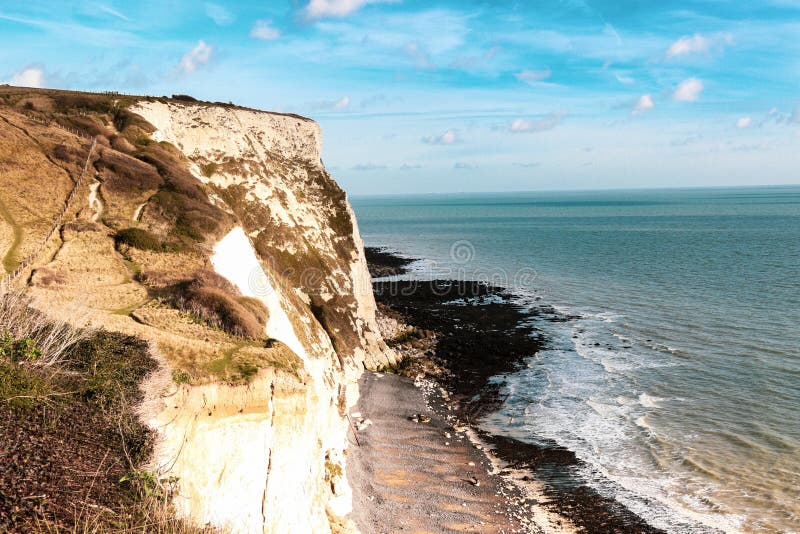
<point>411,477</point>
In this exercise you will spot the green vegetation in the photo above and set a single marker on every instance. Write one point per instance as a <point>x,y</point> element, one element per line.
<point>18,350</point>
<point>181,377</point>
<point>139,238</point>
<point>18,386</point>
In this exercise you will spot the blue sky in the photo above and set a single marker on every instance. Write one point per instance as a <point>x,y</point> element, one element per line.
<point>418,96</point>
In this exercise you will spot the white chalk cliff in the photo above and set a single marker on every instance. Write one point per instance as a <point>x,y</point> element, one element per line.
<point>269,456</point>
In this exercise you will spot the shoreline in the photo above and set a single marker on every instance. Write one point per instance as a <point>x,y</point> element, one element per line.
<point>461,334</point>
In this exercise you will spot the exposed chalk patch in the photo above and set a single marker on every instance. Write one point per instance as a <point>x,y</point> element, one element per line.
<point>235,259</point>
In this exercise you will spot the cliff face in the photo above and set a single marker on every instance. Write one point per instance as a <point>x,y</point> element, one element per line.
<point>267,169</point>
<point>216,234</point>
<point>298,250</point>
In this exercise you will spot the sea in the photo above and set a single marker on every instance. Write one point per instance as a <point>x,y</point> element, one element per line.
<point>673,371</point>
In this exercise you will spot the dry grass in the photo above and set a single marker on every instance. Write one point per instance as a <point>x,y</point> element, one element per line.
<point>152,514</point>
<point>35,181</point>
<point>51,337</point>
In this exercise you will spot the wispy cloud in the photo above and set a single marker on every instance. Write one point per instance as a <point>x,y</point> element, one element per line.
<point>220,15</point>
<point>197,57</point>
<point>687,140</point>
<point>110,10</point>
<point>78,32</point>
<point>449,137</point>
<point>463,166</point>
<point>794,118</point>
<point>410,166</point>
<point>420,56</point>
<point>533,76</point>
<point>743,122</point>
<point>368,167</point>
<point>623,79</point>
<point>548,122</point>
<point>688,90</point>
<point>263,29</point>
<point>332,105</point>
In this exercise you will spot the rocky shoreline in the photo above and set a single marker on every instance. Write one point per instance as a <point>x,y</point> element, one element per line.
<point>463,333</point>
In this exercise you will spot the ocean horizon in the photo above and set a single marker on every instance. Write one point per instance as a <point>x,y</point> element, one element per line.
<point>673,371</point>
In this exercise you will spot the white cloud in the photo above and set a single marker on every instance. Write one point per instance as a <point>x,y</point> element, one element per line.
<point>263,30</point>
<point>197,57</point>
<point>689,45</point>
<point>317,9</point>
<point>447,138</point>
<point>461,166</point>
<point>743,122</point>
<point>548,122</point>
<point>28,77</point>
<point>688,90</point>
<point>698,44</point>
<point>220,15</point>
<point>533,76</point>
<point>643,104</point>
<point>342,103</point>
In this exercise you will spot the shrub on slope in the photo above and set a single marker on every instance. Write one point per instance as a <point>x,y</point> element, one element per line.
<point>211,298</point>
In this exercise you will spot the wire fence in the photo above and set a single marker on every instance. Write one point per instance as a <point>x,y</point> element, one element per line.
<point>49,122</point>
<point>10,278</point>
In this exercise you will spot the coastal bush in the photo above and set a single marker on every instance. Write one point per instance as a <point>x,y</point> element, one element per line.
<point>63,153</point>
<point>138,238</point>
<point>18,386</point>
<point>184,98</point>
<point>214,300</point>
<point>181,377</point>
<point>125,174</point>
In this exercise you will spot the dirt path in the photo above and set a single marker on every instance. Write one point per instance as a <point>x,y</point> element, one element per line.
<point>412,477</point>
<point>95,203</point>
<point>10,258</point>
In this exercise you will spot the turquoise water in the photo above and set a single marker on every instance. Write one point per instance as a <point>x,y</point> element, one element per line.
<point>679,382</point>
